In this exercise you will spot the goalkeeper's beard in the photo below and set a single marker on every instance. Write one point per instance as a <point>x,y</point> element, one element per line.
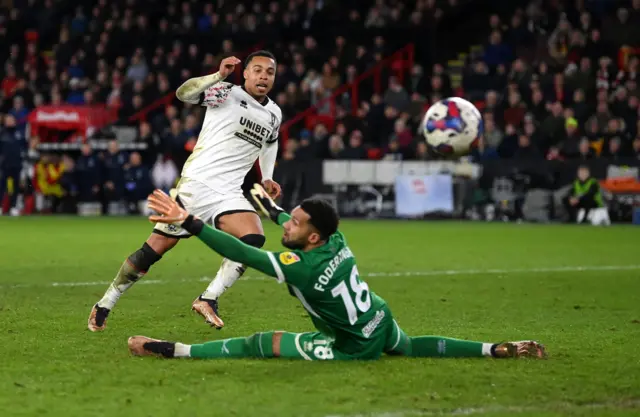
<point>290,244</point>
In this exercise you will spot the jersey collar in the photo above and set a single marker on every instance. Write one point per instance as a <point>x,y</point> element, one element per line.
<point>263,102</point>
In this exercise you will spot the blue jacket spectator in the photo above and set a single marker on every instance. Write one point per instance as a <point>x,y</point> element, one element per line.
<point>12,148</point>
<point>138,184</point>
<point>114,162</point>
<point>20,113</point>
<point>497,52</point>
<point>88,172</point>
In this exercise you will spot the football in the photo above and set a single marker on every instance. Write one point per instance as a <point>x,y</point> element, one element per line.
<point>452,127</point>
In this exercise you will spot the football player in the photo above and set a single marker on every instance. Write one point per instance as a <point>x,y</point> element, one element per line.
<point>240,126</point>
<point>319,268</point>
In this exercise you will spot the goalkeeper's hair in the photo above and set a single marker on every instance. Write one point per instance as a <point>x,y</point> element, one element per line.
<point>262,52</point>
<point>323,216</point>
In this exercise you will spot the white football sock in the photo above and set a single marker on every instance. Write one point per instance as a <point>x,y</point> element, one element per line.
<point>182,351</point>
<point>110,298</point>
<point>486,349</point>
<point>227,275</point>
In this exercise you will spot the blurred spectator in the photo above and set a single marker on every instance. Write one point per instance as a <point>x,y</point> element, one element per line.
<point>569,147</point>
<point>584,196</point>
<point>515,111</point>
<point>19,113</point>
<point>307,148</point>
<point>356,149</point>
<point>477,81</point>
<point>336,147</point>
<point>76,93</point>
<point>401,134</point>
<point>153,141</point>
<point>88,171</point>
<point>496,52</point>
<point>66,202</point>
<point>330,77</point>
<point>635,148</point>
<point>137,183</point>
<point>114,162</point>
<point>12,149</point>
<point>554,125</point>
<point>526,149</point>
<point>396,96</point>
<point>585,151</point>
<point>614,148</point>
<point>47,174</point>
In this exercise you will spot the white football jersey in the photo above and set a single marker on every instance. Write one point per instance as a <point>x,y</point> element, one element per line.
<point>236,129</point>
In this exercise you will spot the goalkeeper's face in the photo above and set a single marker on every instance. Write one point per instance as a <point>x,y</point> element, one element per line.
<point>298,232</point>
<point>259,76</point>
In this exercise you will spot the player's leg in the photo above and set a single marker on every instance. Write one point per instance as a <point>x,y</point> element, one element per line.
<point>258,345</point>
<point>308,346</point>
<point>237,218</point>
<point>132,269</point>
<point>398,343</point>
<point>162,240</point>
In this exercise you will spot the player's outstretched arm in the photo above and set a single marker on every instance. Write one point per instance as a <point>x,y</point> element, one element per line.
<point>268,206</point>
<point>223,243</point>
<point>190,90</point>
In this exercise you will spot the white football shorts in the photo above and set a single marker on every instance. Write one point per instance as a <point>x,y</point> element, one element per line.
<point>204,203</point>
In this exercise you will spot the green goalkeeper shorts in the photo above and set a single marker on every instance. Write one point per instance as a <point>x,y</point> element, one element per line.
<point>314,346</point>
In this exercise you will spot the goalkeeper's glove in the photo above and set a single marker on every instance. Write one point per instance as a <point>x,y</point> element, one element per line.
<point>265,203</point>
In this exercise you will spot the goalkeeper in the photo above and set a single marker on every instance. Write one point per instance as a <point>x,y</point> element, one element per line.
<point>320,270</point>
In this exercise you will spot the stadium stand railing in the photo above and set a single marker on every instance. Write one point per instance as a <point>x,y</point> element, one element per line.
<point>400,63</point>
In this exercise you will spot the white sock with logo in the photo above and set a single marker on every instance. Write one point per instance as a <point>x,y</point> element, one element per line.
<point>227,275</point>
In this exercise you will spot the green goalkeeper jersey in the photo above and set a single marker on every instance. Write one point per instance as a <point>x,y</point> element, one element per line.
<point>327,283</point>
<point>325,280</point>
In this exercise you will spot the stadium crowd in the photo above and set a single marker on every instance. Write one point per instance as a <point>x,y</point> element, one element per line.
<point>548,82</point>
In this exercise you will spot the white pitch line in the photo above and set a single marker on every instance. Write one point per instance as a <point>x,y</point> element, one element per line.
<point>468,411</point>
<point>446,272</point>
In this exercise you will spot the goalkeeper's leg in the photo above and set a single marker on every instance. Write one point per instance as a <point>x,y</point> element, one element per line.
<point>131,270</point>
<point>308,346</point>
<point>258,345</point>
<point>398,343</point>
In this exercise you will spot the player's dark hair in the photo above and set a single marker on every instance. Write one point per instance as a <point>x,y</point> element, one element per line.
<point>323,216</point>
<point>252,55</point>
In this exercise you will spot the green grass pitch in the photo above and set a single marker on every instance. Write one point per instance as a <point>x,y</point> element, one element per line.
<point>576,289</point>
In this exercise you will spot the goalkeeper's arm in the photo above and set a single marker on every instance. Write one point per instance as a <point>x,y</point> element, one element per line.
<point>268,206</point>
<point>230,247</point>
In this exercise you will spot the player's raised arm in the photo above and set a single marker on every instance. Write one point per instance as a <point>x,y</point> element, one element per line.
<point>192,89</point>
<point>223,243</point>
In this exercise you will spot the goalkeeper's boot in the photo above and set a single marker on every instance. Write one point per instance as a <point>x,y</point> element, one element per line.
<point>209,310</point>
<point>98,318</point>
<point>146,346</point>
<point>525,348</point>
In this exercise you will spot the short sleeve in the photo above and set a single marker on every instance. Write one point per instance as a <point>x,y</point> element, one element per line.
<point>290,267</point>
<point>216,95</point>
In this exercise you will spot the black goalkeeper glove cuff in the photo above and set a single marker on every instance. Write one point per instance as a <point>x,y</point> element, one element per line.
<point>274,212</point>
<point>193,225</point>
<point>272,209</point>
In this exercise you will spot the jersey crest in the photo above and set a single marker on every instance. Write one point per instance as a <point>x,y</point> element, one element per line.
<point>274,120</point>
